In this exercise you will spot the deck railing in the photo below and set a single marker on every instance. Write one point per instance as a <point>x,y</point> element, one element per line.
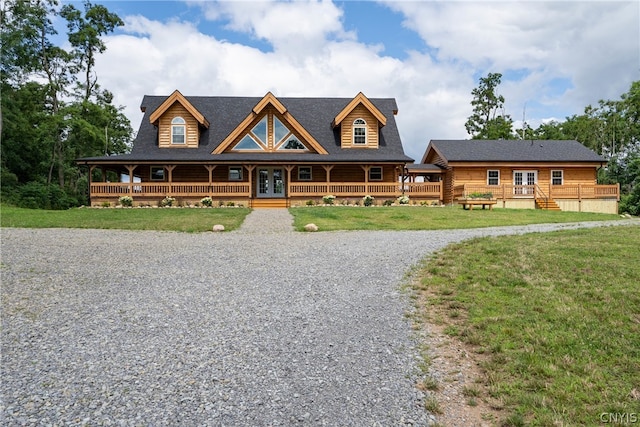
<point>338,189</point>
<point>144,189</point>
<point>569,191</point>
<point>358,189</point>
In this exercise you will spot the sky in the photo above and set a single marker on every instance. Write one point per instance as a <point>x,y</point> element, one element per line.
<point>555,57</point>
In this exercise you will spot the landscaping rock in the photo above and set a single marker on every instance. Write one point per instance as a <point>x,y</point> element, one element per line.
<point>218,227</point>
<point>310,227</point>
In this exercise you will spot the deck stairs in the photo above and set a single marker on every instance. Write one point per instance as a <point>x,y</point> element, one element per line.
<point>547,204</point>
<point>269,203</point>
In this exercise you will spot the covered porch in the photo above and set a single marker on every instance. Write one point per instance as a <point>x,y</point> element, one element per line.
<point>249,183</point>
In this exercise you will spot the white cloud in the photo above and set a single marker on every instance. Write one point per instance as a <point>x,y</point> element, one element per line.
<point>292,28</point>
<point>592,45</point>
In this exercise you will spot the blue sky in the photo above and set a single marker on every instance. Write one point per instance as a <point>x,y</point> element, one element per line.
<point>556,57</point>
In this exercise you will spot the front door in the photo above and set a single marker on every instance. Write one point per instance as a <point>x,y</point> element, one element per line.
<point>270,182</point>
<point>524,182</point>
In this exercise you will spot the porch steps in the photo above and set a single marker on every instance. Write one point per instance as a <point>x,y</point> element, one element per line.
<point>269,203</point>
<point>547,204</point>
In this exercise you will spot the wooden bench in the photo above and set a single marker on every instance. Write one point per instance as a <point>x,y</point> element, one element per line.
<point>476,202</point>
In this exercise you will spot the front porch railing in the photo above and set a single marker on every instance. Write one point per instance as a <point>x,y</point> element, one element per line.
<point>144,189</point>
<point>338,189</point>
<point>358,189</point>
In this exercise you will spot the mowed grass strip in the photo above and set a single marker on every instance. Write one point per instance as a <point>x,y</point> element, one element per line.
<point>160,219</point>
<point>332,218</point>
<point>553,319</point>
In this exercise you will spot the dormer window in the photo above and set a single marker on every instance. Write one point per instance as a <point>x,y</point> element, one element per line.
<point>359,132</point>
<point>178,130</point>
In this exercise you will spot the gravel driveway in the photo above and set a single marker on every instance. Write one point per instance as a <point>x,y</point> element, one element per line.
<point>224,329</point>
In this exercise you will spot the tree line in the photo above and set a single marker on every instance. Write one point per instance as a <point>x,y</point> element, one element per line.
<point>54,110</point>
<point>611,129</point>
<point>53,107</point>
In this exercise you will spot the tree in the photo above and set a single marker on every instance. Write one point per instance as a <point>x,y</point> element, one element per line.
<point>54,107</point>
<point>84,35</point>
<point>489,120</point>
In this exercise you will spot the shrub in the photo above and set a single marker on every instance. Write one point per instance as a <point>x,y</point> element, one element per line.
<point>125,201</point>
<point>167,202</point>
<point>368,200</point>
<point>206,201</point>
<point>230,204</point>
<point>310,203</point>
<point>387,203</point>
<point>480,195</point>
<point>403,200</point>
<point>35,195</point>
<point>328,199</point>
<point>630,203</point>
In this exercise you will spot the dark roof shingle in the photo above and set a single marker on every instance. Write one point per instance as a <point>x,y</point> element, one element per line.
<point>226,113</point>
<point>513,151</point>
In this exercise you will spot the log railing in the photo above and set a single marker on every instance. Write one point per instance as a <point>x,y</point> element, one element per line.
<point>358,189</point>
<point>569,191</point>
<point>338,189</point>
<point>144,189</point>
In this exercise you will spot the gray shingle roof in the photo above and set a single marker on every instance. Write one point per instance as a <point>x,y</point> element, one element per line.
<point>513,151</point>
<point>226,113</point>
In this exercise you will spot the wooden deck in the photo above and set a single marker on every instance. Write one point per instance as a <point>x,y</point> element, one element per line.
<point>506,191</point>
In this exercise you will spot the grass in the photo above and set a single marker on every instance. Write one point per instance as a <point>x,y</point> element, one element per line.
<point>186,220</point>
<point>428,218</point>
<point>327,218</point>
<point>553,318</point>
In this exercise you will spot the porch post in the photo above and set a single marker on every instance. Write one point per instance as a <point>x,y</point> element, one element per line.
<point>366,178</point>
<point>91,168</point>
<point>327,170</point>
<point>250,169</point>
<point>210,168</point>
<point>170,169</point>
<point>130,168</point>
<point>289,168</point>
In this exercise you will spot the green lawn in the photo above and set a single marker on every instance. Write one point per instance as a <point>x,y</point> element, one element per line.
<point>162,219</point>
<point>553,318</point>
<point>326,218</point>
<point>331,218</point>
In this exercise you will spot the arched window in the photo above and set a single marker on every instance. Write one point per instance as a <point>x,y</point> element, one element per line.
<point>178,130</point>
<point>359,132</point>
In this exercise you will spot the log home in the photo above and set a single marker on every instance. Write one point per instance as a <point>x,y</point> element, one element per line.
<point>259,152</point>
<point>560,175</point>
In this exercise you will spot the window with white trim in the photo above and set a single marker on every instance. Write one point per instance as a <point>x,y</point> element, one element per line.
<point>270,134</point>
<point>157,173</point>
<point>493,177</point>
<point>178,130</point>
<point>375,173</point>
<point>557,177</point>
<point>359,132</point>
<point>304,173</point>
<point>235,173</point>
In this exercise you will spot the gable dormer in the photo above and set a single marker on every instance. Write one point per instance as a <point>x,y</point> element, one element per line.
<point>269,128</point>
<point>359,123</point>
<point>179,123</point>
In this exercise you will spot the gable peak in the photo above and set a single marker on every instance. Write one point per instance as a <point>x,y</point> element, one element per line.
<point>176,96</point>
<point>359,99</point>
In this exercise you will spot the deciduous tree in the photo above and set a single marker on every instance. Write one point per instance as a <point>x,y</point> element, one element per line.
<point>489,120</point>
